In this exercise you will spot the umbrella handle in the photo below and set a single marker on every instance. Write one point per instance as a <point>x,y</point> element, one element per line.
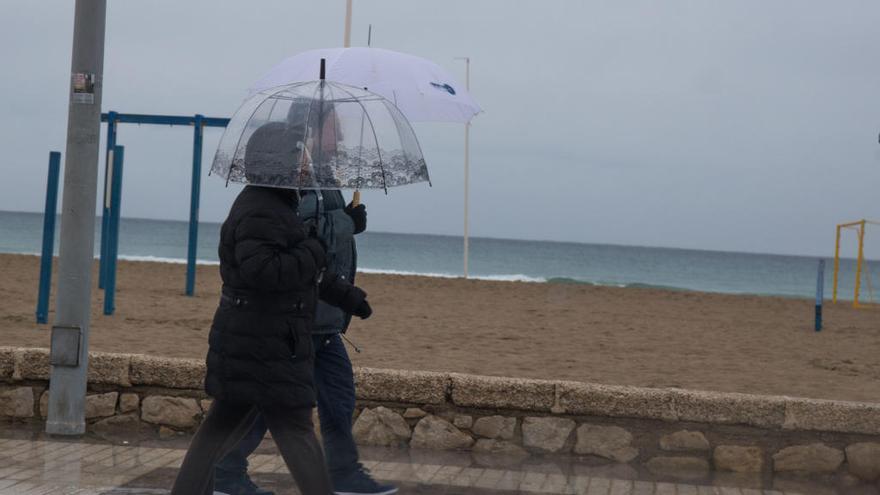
<point>305,149</point>
<point>356,198</point>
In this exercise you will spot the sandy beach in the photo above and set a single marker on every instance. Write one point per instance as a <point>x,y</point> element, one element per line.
<point>630,336</point>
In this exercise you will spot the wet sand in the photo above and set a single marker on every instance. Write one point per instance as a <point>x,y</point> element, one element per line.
<point>632,336</point>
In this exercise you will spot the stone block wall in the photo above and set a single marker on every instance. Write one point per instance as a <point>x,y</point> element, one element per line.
<point>680,433</point>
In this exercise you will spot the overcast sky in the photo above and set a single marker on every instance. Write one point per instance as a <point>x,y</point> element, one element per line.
<point>738,125</point>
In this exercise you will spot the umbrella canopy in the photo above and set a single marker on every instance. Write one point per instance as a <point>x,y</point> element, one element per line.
<point>319,135</point>
<point>421,89</point>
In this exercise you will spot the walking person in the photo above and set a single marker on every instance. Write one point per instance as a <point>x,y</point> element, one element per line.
<point>261,358</point>
<point>336,225</point>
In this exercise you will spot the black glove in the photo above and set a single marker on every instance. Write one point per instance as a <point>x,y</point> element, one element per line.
<point>355,302</point>
<point>358,215</point>
<point>316,249</point>
<point>363,311</point>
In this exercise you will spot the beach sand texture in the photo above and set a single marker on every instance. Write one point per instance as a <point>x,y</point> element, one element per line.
<point>643,337</point>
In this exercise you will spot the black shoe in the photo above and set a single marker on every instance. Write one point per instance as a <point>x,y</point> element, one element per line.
<point>359,482</point>
<point>238,485</point>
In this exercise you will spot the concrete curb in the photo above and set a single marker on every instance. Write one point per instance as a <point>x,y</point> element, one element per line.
<point>666,430</point>
<point>489,392</point>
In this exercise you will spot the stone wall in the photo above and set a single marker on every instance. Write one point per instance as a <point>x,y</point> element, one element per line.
<point>675,432</point>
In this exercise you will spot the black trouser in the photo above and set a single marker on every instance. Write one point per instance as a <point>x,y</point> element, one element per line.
<point>334,382</point>
<point>226,424</point>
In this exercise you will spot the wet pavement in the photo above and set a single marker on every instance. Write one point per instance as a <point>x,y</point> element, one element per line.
<point>32,463</point>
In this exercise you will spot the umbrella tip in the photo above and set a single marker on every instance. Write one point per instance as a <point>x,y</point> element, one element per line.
<point>323,63</point>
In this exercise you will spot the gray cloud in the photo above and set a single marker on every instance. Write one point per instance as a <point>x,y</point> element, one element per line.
<point>721,125</point>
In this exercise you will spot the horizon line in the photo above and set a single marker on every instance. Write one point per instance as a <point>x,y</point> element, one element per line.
<point>491,238</point>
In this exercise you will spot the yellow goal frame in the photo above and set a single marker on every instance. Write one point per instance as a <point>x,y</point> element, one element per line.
<point>859,226</point>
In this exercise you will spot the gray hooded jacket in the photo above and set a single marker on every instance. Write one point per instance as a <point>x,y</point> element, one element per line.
<point>336,229</point>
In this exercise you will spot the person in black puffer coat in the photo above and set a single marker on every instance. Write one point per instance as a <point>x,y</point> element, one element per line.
<point>260,357</point>
<point>336,225</point>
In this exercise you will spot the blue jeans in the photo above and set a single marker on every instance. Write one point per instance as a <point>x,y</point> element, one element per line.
<point>334,381</point>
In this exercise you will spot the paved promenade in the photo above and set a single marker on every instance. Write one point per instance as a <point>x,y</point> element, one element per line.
<point>43,466</point>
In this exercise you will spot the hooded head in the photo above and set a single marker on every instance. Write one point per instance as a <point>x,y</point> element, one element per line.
<point>272,155</point>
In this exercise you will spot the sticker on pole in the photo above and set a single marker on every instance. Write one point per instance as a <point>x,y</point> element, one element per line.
<point>83,88</point>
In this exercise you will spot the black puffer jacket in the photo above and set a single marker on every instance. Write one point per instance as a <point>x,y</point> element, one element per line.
<point>260,346</point>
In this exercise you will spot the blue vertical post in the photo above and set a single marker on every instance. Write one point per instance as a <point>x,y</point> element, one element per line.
<point>194,206</point>
<point>105,206</point>
<point>820,295</point>
<point>48,237</point>
<point>113,230</point>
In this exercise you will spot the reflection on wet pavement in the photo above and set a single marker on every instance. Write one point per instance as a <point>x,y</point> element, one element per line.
<point>31,463</point>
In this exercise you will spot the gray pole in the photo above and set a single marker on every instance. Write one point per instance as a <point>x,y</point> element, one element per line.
<point>70,336</point>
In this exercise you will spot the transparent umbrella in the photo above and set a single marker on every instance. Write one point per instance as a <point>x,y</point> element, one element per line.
<point>319,135</point>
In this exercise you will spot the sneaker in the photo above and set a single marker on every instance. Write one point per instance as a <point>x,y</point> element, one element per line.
<point>239,485</point>
<point>359,482</point>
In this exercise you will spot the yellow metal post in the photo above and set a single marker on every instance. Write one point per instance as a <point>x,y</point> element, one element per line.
<point>836,264</point>
<point>859,263</point>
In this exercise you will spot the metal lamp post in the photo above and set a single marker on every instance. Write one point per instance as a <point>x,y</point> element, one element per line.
<point>69,355</point>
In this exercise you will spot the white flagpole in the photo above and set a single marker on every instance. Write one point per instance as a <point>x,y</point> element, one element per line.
<point>346,42</point>
<point>467,132</point>
<point>347,39</point>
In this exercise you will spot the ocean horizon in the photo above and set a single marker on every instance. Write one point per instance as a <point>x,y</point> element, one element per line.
<point>433,255</point>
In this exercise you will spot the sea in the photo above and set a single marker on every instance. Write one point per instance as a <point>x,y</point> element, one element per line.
<point>502,259</point>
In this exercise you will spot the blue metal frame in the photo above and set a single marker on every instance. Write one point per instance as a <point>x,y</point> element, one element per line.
<point>820,294</point>
<point>140,118</point>
<point>195,196</point>
<point>105,206</point>
<point>48,237</point>
<point>113,229</point>
<point>108,237</point>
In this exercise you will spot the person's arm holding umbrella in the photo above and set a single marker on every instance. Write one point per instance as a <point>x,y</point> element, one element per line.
<point>358,214</point>
<point>265,263</point>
